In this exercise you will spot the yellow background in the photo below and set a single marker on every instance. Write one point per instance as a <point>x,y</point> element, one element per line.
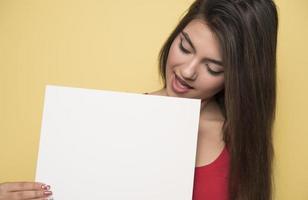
<point>114,45</point>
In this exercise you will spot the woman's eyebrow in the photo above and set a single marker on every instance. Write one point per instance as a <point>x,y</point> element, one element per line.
<point>205,59</point>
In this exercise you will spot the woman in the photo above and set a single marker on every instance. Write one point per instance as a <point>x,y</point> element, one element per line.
<point>223,52</point>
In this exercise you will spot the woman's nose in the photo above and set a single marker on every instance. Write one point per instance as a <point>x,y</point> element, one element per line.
<point>189,70</point>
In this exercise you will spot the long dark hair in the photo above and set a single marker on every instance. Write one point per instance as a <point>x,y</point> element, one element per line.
<point>247,33</point>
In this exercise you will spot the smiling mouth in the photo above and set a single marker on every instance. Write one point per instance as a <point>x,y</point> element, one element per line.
<point>182,82</point>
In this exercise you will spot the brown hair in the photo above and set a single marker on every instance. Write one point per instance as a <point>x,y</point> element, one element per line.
<point>247,33</point>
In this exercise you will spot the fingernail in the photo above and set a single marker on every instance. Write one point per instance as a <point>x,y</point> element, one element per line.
<point>46,187</point>
<point>47,193</point>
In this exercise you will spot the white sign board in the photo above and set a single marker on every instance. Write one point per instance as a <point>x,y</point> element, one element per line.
<point>113,145</point>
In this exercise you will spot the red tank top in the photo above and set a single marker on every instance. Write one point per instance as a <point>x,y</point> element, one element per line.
<point>211,181</point>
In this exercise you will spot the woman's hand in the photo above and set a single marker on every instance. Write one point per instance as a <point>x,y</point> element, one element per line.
<point>24,190</point>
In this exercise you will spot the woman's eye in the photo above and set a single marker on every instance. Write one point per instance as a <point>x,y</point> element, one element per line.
<point>211,71</point>
<point>182,47</point>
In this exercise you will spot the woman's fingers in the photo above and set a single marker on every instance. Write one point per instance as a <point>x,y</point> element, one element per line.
<point>22,186</point>
<point>30,194</point>
<point>24,191</point>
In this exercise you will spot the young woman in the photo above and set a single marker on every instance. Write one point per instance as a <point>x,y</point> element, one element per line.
<point>224,53</point>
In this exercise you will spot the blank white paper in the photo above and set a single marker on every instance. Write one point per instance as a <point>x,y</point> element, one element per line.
<point>110,145</point>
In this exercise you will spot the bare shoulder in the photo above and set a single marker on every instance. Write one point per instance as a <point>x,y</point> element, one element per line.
<point>210,137</point>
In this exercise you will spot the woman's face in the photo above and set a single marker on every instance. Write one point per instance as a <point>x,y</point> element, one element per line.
<point>194,65</point>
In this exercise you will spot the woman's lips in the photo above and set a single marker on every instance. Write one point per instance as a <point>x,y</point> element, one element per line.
<point>179,86</point>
